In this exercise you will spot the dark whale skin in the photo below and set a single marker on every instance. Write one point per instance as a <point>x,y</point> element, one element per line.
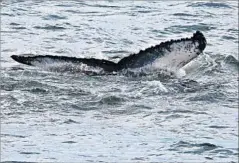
<point>143,57</point>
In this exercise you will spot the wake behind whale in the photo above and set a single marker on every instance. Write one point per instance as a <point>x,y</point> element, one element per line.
<point>170,55</point>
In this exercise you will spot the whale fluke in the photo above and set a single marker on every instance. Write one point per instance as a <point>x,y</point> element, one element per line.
<point>33,60</point>
<point>169,54</point>
<point>181,51</point>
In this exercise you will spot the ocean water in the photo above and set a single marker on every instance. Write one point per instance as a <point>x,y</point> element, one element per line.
<point>62,115</point>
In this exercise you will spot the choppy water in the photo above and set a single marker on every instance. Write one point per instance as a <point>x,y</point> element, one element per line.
<point>72,117</point>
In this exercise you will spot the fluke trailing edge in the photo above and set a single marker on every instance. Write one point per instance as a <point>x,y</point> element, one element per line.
<point>169,54</point>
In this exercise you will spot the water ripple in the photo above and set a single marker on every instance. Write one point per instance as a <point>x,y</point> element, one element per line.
<point>50,27</point>
<point>147,115</point>
<point>54,17</point>
<point>209,4</point>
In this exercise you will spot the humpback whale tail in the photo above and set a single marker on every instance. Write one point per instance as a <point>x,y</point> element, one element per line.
<point>169,54</point>
<point>41,59</point>
<point>174,53</point>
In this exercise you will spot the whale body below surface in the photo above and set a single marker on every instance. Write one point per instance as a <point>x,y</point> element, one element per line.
<point>172,54</point>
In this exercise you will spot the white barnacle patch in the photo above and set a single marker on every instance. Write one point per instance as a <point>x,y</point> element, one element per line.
<point>59,65</point>
<point>179,55</point>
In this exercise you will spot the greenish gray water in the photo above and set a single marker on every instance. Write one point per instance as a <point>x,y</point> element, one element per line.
<point>49,116</point>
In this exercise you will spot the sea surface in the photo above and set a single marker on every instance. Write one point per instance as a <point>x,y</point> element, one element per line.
<point>64,115</point>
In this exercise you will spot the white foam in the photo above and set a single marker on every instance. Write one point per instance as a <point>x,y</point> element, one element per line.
<point>158,84</point>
